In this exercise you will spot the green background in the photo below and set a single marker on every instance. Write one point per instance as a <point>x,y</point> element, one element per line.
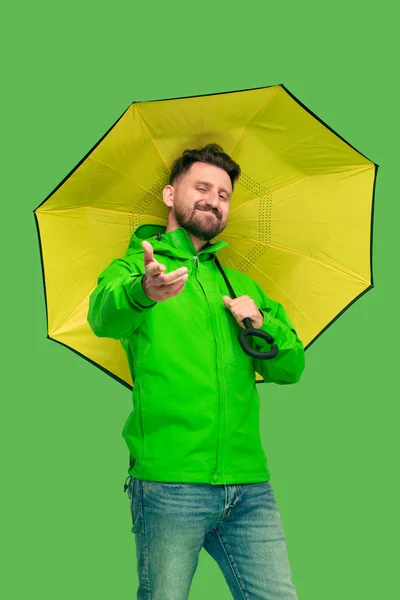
<point>332,440</point>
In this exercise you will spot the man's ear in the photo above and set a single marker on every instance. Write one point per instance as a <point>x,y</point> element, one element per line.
<point>168,195</point>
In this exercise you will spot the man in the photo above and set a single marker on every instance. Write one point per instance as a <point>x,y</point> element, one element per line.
<point>198,476</point>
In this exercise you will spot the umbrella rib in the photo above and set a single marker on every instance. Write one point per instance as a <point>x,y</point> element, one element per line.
<point>354,276</point>
<point>258,197</point>
<point>355,168</point>
<point>277,286</point>
<point>258,110</point>
<point>274,192</point>
<point>54,211</point>
<point>122,175</point>
<point>57,269</point>
<point>158,149</point>
<point>73,311</point>
<point>272,220</point>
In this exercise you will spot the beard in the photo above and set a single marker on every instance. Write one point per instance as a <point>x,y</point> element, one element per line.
<point>204,225</point>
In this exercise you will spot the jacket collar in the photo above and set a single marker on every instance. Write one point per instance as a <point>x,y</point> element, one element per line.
<point>174,243</point>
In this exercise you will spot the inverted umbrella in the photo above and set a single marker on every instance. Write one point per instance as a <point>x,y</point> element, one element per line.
<point>300,221</point>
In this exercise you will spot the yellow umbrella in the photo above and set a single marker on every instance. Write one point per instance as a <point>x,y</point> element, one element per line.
<point>300,221</point>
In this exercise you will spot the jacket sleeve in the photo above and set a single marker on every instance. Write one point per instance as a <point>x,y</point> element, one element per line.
<point>118,304</point>
<point>288,366</point>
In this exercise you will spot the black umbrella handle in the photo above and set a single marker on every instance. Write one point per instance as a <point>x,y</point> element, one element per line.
<point>252,331</point>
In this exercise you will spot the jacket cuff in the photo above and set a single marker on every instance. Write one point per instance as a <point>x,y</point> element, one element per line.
<point>268,326</point>
<point>138,295</point>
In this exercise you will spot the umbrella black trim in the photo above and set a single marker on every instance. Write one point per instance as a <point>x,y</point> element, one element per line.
<point>81,161</point>
<point>197,96</point>
<point>262,87</point>
<point>371,286</point>
<point>127,385</point>
<point>47,320</point>
<point>376,167</point>
<point>92,362</point>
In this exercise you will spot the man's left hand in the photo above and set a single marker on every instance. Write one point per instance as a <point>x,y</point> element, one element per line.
<point>242,308</point>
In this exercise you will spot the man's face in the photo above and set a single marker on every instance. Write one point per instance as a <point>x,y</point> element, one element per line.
<point>202,200</point>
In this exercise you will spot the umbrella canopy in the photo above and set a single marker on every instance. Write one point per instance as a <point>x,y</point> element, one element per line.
<point>300,221</point>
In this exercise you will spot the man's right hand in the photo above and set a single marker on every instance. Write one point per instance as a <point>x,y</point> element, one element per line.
<point>157,286</point>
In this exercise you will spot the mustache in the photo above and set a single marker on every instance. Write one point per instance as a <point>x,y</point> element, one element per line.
<point>208,210</point>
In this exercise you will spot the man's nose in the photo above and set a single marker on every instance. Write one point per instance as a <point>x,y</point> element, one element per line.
<point>213,200</point>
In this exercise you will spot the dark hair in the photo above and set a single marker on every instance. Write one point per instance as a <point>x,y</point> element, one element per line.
<point>212,154</point>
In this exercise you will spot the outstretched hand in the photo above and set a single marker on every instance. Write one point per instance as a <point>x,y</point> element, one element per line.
<point>157,285</point>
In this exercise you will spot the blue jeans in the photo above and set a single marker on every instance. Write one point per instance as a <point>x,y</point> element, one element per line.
<point>238,525</point>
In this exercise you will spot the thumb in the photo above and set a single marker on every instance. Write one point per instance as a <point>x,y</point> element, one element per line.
<point>227,301</point>
<point>148,252</point>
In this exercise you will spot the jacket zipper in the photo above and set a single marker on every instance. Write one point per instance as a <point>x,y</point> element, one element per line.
<point>196,259</point>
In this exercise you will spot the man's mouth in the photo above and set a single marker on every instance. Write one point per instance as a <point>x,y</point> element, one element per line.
<point>210,212</point>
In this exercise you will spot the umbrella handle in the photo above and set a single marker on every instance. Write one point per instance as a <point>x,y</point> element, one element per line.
<point>250,330</point>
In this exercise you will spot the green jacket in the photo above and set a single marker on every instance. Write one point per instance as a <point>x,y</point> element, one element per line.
<point>195,414</point>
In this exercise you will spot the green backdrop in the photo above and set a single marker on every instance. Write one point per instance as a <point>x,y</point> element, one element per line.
<point>69,71</point>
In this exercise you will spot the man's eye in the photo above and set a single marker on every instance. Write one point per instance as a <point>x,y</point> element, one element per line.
<point>202,189</point>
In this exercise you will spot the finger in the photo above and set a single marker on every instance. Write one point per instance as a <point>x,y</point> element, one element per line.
<point>240,300</point>
<point>155,268</point>
<point>152,266</point>
<point>178,281</point>
<point>173,284</point>
<point>148,252</point>
<point>173,276</point>
<point>237,302</point>
<point>173,289</point>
